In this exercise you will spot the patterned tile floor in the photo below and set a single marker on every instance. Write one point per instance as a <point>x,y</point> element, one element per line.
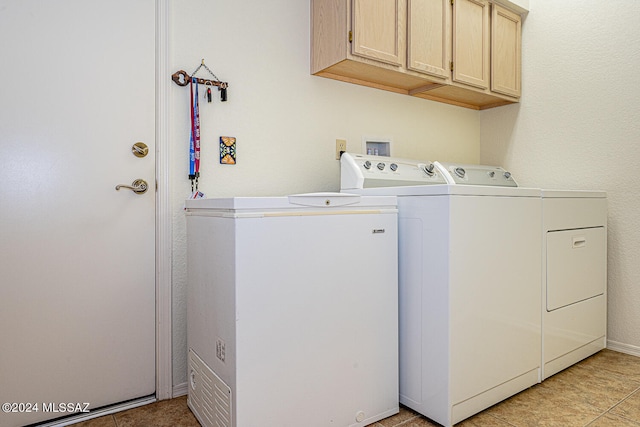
<point>601,391</point>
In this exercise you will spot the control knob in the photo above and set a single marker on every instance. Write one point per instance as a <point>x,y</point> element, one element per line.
<point>381,166</point>
<point>507,175</point>
<point>428,169</point>
<point>367,164</point>
<point>393,167</point>
<point>460,172</point>
<point>492,174</point>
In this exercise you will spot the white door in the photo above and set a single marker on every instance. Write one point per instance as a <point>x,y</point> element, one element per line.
<point>77,263</point>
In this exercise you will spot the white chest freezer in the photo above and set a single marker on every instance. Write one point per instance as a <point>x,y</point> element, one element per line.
<point>293,310</point>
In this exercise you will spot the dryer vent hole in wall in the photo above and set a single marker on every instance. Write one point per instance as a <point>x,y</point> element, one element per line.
<point>220,349</point>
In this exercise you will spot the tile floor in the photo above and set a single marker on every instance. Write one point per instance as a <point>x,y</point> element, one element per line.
<point>601,391</point>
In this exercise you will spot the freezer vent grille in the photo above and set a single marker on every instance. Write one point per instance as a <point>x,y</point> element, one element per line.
<point>209,396</point>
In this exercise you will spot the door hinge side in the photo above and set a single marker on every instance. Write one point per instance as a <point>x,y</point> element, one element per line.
<point>350,36</point>
<point>451,65</point>
<point>451,2</point>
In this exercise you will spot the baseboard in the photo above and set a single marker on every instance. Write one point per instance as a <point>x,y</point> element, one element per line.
<point>622,348</point>
<point>180,390</point>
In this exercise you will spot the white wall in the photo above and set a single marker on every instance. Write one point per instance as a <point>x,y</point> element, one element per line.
<point>578,127</point>
<point>285,120</point>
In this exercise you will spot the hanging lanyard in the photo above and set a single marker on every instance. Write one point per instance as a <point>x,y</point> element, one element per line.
<point>194,140</point>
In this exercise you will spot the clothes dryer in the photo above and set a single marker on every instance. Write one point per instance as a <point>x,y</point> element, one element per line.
<point>469,282</point>
<point>575,277</point>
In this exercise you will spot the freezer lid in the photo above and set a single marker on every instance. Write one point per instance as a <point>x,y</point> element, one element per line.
<point>310,201</point>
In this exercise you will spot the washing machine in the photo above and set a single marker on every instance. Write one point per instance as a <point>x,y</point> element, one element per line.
<point>575,277</point>
<point>469,281</point>
<point>292,310</point>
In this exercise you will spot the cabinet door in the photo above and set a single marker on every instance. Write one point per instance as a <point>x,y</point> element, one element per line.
<point>428,37</point>
<point>471,42</point>
<point>506,29</point>
<point>377,29</point>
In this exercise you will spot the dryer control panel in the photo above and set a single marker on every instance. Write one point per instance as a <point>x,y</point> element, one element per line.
<point>358,171</point>
<point>476,175</point>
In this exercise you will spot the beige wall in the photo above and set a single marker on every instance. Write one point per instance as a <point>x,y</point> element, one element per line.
<point>285,120</point>
<point>577,127</point>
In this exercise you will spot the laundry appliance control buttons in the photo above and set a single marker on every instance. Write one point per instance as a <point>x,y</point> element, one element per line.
<point>428,169</point>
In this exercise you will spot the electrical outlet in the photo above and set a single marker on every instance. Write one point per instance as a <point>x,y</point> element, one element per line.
<point>341,147</point>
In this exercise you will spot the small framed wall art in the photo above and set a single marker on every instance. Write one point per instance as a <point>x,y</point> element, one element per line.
<point>227,150</point>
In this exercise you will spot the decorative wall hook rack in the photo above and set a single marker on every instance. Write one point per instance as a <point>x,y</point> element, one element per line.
<point>181,78</point>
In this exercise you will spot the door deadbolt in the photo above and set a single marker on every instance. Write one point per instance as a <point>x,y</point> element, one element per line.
<point>139,186</point>
<point>140,149</point>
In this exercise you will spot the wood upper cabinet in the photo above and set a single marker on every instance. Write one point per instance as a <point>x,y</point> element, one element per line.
<point>487,51</point>
<point>429,37</point>
<point>378,30</point>
<point>471,53</point>
<point>363,42</point>
<point>462,52</point>
<point>506,68</point>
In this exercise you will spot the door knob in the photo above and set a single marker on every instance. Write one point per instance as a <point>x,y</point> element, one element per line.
<point>139,186</point>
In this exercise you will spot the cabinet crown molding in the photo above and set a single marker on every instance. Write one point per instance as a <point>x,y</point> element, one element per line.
<point>519,6</point>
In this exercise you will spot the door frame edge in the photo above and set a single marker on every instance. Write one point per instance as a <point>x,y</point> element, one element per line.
<point>164,244</point>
